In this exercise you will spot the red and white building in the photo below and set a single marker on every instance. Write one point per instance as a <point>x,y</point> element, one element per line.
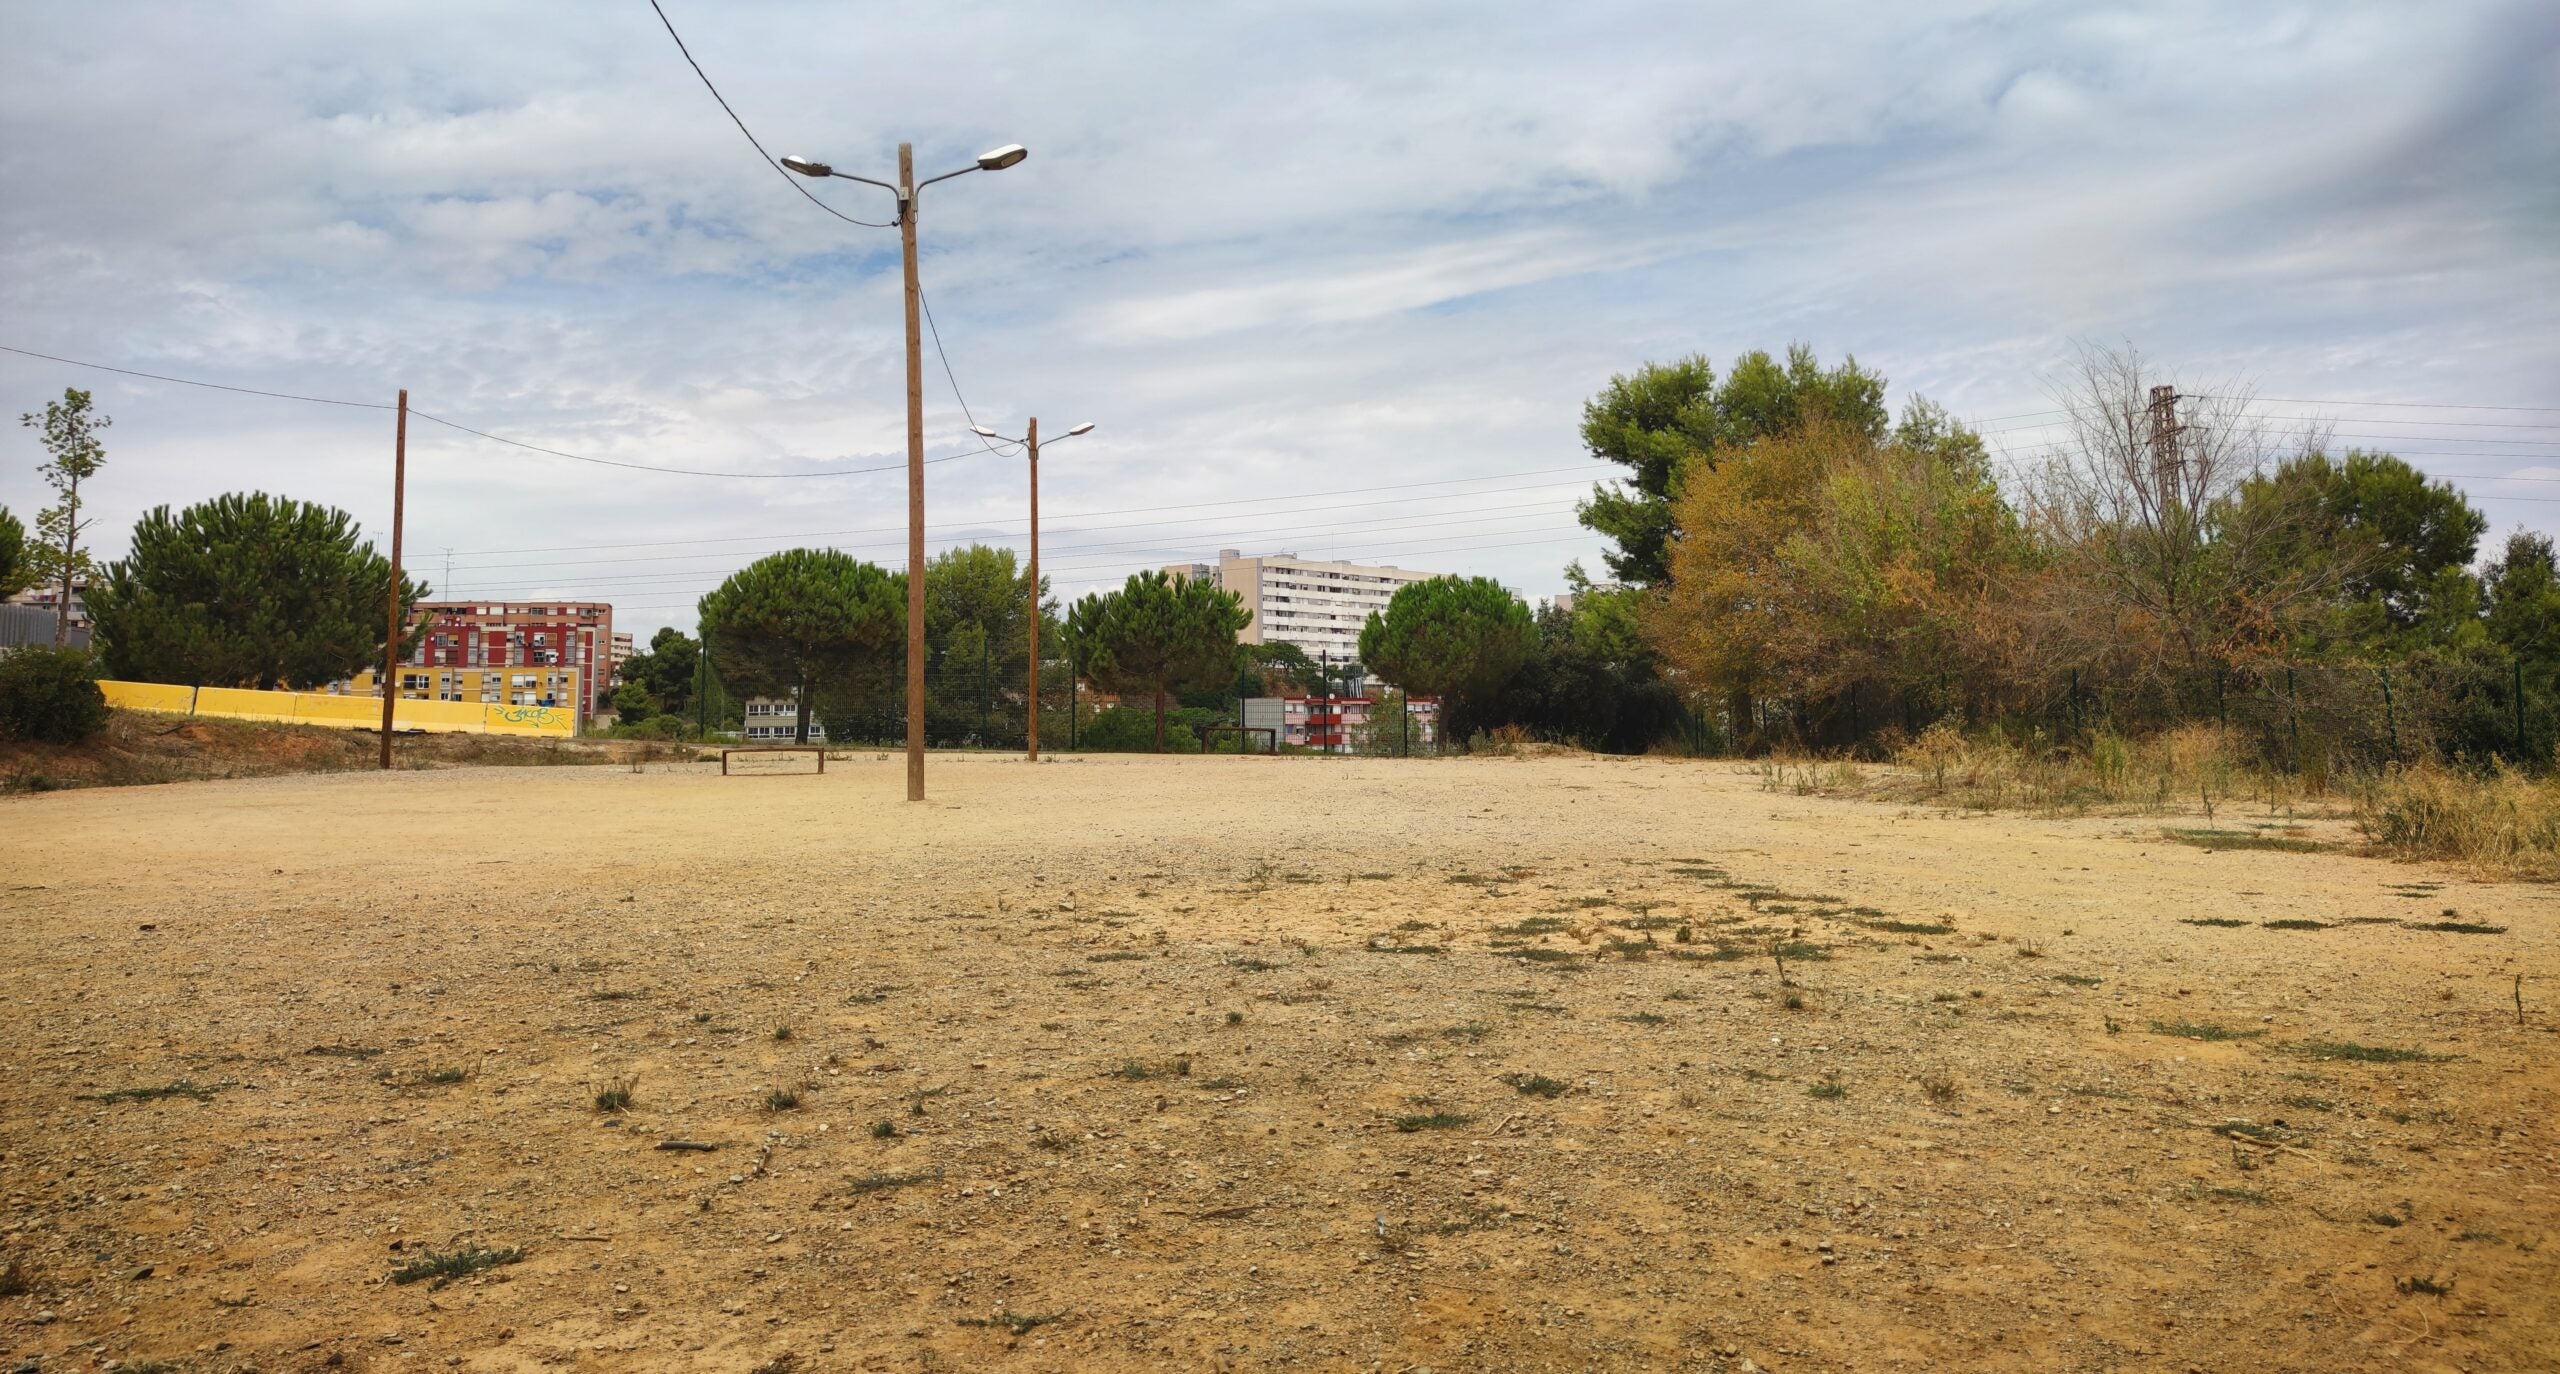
<point>512,634</point>
<point>1336,724</point>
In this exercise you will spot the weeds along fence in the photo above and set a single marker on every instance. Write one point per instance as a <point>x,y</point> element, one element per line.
<point>2310,720</point>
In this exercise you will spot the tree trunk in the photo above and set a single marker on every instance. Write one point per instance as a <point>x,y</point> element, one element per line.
<point>801,708</point>
<point>70,547</point>
<point>1159,718</point>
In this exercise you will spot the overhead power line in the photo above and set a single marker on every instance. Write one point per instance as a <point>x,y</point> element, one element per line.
<point>769,159</point>
<point>1076,515</point>
<point>466,429</point>
<point>209,386</point>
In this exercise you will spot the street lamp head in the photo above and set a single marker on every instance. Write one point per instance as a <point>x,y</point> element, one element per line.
<point>1001,158</point>
<point>983,432</point>
<point>1085,428</point>
<point>808,167</point>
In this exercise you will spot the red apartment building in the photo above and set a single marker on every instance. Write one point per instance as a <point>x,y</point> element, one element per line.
<point>510,634</point>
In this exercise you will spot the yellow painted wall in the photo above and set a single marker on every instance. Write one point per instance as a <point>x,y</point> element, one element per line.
<point>342,712</point>
<point>149,696</point>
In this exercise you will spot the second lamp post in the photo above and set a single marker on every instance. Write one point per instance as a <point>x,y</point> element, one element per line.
<point>905,191</point>
<point>1030,442</point>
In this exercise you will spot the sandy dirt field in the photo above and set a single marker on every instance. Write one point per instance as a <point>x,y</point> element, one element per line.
<point>1247,1063</point>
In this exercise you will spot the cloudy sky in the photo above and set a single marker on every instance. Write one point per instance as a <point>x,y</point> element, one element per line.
<point>1332,278</point>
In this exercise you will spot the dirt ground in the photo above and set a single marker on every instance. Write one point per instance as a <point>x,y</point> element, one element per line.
<point>1242,1063</point>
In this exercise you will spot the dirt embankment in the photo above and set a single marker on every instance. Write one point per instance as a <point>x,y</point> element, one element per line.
<point>146,747</point>
<point>1252,1063</point>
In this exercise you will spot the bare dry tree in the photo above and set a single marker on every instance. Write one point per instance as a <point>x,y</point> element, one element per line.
<point>2162,566</point>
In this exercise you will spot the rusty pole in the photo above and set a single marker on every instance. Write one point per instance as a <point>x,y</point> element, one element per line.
<point>1032,441</point>
<point>915,478</point>
<point>391,644</point>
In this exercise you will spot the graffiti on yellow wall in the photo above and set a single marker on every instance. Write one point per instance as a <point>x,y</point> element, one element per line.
<point>343,712</point>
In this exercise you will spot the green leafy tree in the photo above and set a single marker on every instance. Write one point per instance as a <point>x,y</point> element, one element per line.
<point>977,612</point>
<point>74,455</point>
<point>246,591</point>
<point>1458,639</point>
<point>666,669</point>
<point>1276,669</point>
<point>1160,636</point>
<point>632,704</point>
<point>2400,546</point>
<point>1665,417</point>
<point>15,573</point>
<point>797,622</point>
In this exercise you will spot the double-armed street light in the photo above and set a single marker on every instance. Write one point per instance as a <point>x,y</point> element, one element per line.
<point>905,190</point>
<point>1030,442</point>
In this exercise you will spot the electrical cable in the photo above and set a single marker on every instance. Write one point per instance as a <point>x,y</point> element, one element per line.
<point>466,429</point>
<point>210,386</point>
<point>770,161</point>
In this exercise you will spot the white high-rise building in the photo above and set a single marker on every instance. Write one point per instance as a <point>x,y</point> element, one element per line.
<point>1317,604</point>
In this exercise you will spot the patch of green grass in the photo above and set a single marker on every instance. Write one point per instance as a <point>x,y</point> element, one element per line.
<point>782,1100</point>
<point>2221,922</point>
<point>615,1096</point>
<point>1646,1018</point>
<point>1712,954</point>
<point>1472,879</point>
<point>885,1129</point>
<point>2295,923</point>
<point>1251,965</point>
<point>2202,1030</point>
<point>2428,1285</point>
<point>184,1087</point>
<point>2254,1197</point>
<point>2245,839</point>
<point>2459,927</point>
<point>2476,1233</point>
<point>1542,955</point>
<point>1534,925</point>
<point>1115,956</point>
<point>1830,1089</point>
<point>1940,958</point>
<point>1910,927</point>
<point>782,1032</point>
<point>1800,950</point>
<point>2368,1054</point>
<point>613,995</point>
<point>1015,1322</point>
<point>1433,1121</point>
<point>340,1052</point>
<point>439,1268</point>
<point>1471,1032</point>
<point>1406,949</point>
<point>1536,1084</point>
<point>2077,980</point>
<point>2305,1103</point>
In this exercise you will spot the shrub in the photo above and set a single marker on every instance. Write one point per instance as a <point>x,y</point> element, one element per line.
<point>50,695</point>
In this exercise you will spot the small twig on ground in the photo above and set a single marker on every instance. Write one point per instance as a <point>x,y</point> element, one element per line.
<point>703,1145</point>
<point>1218,1213</point>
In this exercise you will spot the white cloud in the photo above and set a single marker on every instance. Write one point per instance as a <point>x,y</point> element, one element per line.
<point>1300,248</point>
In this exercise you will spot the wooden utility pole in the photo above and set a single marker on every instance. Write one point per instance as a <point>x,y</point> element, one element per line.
<point>915,477</point>
<point>1032,442</point>
<point>391,612</point>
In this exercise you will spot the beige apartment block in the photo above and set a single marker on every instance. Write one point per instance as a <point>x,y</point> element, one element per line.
<point>1317,604</point>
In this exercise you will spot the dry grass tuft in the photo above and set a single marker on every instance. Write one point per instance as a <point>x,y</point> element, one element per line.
<point>2502,823</point>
